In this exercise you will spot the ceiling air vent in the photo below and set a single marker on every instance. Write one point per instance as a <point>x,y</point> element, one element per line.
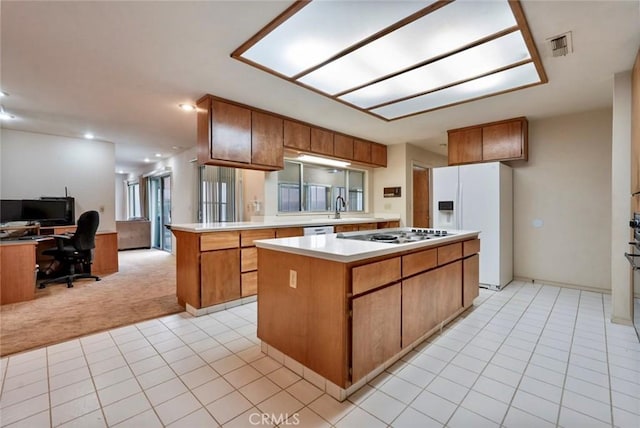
<point>561,45</point>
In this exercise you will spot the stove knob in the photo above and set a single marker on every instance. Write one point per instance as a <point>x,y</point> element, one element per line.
<point>634,223</point>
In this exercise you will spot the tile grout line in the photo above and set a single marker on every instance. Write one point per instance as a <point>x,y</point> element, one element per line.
<point>606,347</point>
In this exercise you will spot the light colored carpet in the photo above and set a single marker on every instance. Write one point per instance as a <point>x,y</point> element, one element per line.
<point>144,288</point>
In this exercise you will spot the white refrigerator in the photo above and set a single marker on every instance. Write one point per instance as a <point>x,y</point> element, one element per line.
<point>479,197</point>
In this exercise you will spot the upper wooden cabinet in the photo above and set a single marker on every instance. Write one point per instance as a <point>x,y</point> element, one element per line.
<point>321,141</point>
<point>297,136</point>
<point>266,140</point>
<point>240,136</point>
<point>343,146</point>
<point>495,141</point>
<point>635,132</point>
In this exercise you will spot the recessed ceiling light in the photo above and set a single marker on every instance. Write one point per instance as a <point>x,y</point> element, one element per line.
<point>322,161</point>
<point>187,107</point>
<point>147,160</point>
<point>397,59</point>
<point>89,136</point>
<point>158,155</point>
<point>4,115</point>
<point>120,171</point>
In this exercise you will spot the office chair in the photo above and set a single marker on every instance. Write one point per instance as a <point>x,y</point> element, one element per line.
<point>76,249</point>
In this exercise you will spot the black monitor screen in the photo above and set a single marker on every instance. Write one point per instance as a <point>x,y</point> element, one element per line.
<point>10,210</point>
<point>45,211</point>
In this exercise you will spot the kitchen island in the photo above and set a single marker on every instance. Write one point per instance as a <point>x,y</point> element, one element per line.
<point>338,309</point>
<point>216,263</point>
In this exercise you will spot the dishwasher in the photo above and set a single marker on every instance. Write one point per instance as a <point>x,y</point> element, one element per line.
<point>317,230</point>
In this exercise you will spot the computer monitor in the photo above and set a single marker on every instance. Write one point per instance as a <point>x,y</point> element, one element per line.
<point>10,210</point>
<point>48,212</point>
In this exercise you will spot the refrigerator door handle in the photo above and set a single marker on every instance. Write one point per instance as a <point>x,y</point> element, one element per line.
<point>460,207</point>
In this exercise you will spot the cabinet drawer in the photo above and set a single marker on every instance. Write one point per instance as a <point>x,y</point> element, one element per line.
<point>287,232</point>
<point>346,228</point>
<point>470,247</point>
<point>449,253</point>
<point>219,240</point>
<point>249,284</point>
<point>368,226</point>
<point>419,262</point>
<point>367,277</point>
<point>248,236</point>
<point>248,259</point>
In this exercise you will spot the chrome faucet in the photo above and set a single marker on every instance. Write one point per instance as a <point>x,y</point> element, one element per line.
<point>342,202</point>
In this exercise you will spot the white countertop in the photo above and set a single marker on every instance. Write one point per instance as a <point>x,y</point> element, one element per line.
<point>330,247</point>
<point>275,223</point>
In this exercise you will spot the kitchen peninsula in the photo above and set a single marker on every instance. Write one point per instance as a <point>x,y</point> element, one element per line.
<point>338,309</point>
<point>216,263</point>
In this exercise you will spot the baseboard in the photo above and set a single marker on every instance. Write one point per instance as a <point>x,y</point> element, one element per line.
<point>623,321</point>
<point>563,285</point>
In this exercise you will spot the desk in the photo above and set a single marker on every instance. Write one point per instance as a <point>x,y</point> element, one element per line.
<point>18,260</point>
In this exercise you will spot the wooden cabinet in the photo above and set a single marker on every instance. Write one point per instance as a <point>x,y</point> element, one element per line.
<point>377,321</point>
<point>379,154</point>
<point>368,226</point>
<point>465,146</point>
<point>372,275</point>
<point>495,141</point>
<point>230,132</point>
<point>635,133</point>
<point>470,279</point>
<point>267,140</point>
<point>287,232</point>
<point>321,141</point>
<point>249,259</point>
<point>345,228</point>
<point>361,151</point>
<point>297,135</point>
<point>17,273</point>
<point>420,301</point>
<point>343,146</point>
<point>219,276</point>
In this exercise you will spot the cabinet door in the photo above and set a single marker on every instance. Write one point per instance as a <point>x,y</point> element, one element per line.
<point>635,131</point>
<point>376,329</point>
<point>321,141</point>
<point>219,276</point>
<point>362,151</point>
<point>287,232</point>
<point>379,154</point>
<point>297,136</point>
<point>266,140</point>
<point>502,141</point>
<point>343,146</point>
<point>345,228</point>
<point>249,283</point>
<point>420,297</point>
<point>470,279</point>
<point>449,279</point>
<point>231,132</point>
<point>465,146</point>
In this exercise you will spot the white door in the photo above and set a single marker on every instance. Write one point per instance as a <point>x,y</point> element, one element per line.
<point>445,189</point>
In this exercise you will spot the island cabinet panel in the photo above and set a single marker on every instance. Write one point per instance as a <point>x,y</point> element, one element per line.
<point>248,259</point>
<point>307,322</point>
<point>421,296</point>
<point>503,141</point>
<point>231,132</point>
<point>343,146</point>
<point>267,140</point>
<point>288,232</point>
<point>470,247</point>
<point>248,236</point>
<point>373,275</point>
<point>219,240</point>
<point>419,262</point>
<point>449,253</point>
<point>321,141</point>
<point>449,279</point>
<point>220,276</point>
<point>188,268</point>
<point>470,279</point>
<point>465,146</point>
<point>297,136</point>
<point>376,326</point>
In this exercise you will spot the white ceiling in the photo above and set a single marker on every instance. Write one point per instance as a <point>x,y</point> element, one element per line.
<point>119,70</point>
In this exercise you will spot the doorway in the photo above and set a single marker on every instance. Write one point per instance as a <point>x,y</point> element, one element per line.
<point>420,197</point>
<point>160,215</point>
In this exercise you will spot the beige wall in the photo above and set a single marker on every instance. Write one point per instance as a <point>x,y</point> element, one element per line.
<point>567,184</point>
<point>35,165</point>
<point>253,192</point>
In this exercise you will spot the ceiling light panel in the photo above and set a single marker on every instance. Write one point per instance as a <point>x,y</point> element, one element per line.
<point>443,31</point>
<point>471,63</point>
<point>510,79</point>
<point>322,28</point>
<point>398,58</point>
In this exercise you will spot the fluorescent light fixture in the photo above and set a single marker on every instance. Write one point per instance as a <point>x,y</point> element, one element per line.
<point>158,155</point>
<point>4,94</point>
<point>187,107</point>
<point>375,54</point>
<point>4,115</point>
<point>323,161</point>
<point>89,136</point>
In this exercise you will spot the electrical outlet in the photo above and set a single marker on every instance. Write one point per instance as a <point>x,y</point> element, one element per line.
<point>293,279</point>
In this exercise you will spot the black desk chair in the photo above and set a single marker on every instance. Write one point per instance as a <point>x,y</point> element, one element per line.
<point>76,249</point>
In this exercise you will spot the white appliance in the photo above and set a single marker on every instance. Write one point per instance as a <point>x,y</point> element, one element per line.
<point>479,197</point>
<point>317,230</point>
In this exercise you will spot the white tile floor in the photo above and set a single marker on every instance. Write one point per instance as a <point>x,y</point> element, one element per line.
<point>529,356</point>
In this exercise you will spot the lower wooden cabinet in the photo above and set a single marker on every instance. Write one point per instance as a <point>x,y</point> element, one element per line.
<point>219,276</point>
<point>420,299</point>
<point>470,279</point>
<point>249,285</point>
<point>376,329</point>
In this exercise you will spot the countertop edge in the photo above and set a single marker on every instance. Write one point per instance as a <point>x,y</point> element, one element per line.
<point>219,227</point>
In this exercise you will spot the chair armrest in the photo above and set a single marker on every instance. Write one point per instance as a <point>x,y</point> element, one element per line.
<point>60,240</point>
